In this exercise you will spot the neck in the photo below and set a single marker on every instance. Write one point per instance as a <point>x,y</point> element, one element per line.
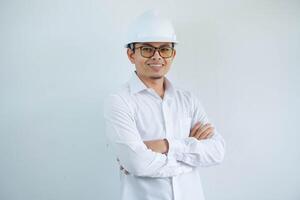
<point>155,83</point>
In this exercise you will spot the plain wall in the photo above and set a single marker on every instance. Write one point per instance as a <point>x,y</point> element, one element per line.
<point>60,58</point>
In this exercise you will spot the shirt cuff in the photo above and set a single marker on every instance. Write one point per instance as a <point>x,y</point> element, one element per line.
<point>176,148</point>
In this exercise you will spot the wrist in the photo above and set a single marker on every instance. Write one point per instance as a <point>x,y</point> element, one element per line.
<point>166,144</point>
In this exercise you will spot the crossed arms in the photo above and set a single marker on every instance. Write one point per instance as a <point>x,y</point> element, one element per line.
<point>160,158</point>
<point>199,132</point>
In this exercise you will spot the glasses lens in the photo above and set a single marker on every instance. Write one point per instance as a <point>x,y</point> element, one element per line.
<point>148,52</point>
<point>165,52</point>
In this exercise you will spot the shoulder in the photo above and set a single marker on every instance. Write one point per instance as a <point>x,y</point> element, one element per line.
<point>119,99</point>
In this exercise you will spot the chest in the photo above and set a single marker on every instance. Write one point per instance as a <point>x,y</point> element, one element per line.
<point>157,119</point>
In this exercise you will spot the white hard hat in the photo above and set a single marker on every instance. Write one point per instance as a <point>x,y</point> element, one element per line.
<point>151,26</point>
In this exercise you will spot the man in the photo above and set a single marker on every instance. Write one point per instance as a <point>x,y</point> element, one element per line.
<point>161,134</point>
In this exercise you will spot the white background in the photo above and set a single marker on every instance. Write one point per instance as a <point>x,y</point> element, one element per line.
<point>60,58</point>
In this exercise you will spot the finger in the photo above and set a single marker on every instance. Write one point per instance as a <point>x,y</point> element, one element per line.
<point>210,135</point>
<point>206,133</point>
<point>201,130</point>
<point>195,128</point>
<point>124,170</point>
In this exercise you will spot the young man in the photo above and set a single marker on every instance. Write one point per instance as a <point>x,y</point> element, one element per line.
<point>161,134</point>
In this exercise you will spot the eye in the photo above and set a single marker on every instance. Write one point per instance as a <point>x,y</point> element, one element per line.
<point>165,49</point>
<point>147,49</point>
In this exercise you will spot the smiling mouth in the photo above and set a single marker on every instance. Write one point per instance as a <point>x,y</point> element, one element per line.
<point>156,67</point>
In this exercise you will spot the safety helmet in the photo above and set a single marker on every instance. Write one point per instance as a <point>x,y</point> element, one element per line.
<point>151,26</point>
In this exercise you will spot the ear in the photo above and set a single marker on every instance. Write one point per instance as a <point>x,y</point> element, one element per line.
<point>174,53</point>
<point>130,55</point>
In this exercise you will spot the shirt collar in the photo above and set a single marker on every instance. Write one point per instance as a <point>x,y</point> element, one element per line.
<point>136,86</point>
<point>170,90</point>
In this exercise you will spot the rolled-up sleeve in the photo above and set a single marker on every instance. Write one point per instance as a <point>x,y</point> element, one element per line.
<point>129,148</point>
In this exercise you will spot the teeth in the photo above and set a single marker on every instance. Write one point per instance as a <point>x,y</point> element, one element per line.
<point>155,65</point>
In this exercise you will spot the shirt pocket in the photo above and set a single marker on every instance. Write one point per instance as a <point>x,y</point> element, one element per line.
<point>185,127</point>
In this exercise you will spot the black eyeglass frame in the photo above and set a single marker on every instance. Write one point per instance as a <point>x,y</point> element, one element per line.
<point>132,47</point>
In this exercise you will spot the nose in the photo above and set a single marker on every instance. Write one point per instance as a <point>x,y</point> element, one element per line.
<point>156,56</point>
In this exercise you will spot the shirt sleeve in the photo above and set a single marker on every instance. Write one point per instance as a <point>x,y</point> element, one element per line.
<point>130,149</point>
<point>198,153</point>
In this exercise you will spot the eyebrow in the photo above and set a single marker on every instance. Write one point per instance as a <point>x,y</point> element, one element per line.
<point>163,45</point>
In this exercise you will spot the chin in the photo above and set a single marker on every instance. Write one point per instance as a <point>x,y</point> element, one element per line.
<point>156,77</point>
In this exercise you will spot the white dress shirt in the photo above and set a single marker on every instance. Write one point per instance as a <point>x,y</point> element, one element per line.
<point>135,114</point>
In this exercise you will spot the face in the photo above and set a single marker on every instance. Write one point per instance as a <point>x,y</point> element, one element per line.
<point>155,67</point>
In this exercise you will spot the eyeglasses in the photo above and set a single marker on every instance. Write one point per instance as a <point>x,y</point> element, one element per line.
<point>148,51</point>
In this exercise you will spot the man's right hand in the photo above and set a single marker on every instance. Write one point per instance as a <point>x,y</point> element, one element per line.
<point>122,168</point>
<point>202,131</point>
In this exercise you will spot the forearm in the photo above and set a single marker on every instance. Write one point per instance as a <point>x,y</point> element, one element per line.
<point>159,146</point>
<point>147,163</point>
<point>204,147</point>
<point>198,153</point>
<point>191,151</point>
